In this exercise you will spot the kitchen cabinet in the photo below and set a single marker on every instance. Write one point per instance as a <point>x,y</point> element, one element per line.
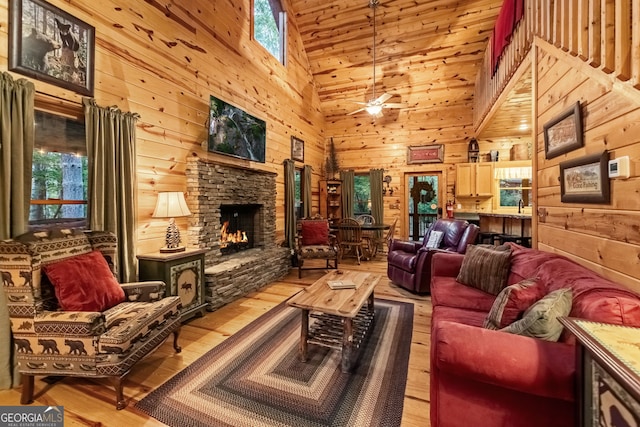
<point>474,179</point>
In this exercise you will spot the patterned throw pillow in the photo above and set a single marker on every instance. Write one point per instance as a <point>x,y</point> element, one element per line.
<point>541,319</point>
<point>485,268</point>
<point>512,301</point>
<point>435,238</point>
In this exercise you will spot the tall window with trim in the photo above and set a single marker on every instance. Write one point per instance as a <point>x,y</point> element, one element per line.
<point>59,172</point>
<point>269,27</point>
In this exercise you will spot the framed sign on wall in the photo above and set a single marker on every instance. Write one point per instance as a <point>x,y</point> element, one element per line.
<point>425,154</point>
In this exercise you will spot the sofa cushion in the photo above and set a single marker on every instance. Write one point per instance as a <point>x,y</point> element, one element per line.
<point>541,319</point>
<point>512,302</point>
<point>314,233</point>
<point>84,283</point>
<point>485,268</point>
<point>446,291</point>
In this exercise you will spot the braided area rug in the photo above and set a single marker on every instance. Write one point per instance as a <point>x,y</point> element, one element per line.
<point>254,378</point>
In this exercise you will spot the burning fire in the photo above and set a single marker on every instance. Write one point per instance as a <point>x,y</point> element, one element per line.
<point>227,238</point>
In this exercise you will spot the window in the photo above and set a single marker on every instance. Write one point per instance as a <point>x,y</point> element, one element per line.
<point>362,195</point>
<point>298,193</point>
<point>59,172</point>
<point>512,190</point>
<point>514,185</point>
<point>269,27</point>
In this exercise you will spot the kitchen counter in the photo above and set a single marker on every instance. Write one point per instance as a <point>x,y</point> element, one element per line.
<point>505,215</point>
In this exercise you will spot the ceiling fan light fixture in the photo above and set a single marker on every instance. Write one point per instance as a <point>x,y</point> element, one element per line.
<point>374,110</point>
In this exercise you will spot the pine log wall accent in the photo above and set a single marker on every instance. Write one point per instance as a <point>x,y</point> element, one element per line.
<point>162,60</point>
<point>603,237</point>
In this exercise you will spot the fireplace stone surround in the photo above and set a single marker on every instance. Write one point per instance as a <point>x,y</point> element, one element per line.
<point>229,277</point>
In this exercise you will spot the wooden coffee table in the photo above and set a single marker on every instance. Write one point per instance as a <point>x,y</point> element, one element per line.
<point>342,319</point>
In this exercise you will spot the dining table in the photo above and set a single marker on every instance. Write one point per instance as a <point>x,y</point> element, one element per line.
<point>375,241</point>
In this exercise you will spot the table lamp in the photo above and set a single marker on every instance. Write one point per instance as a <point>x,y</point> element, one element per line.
<point>171,204</point>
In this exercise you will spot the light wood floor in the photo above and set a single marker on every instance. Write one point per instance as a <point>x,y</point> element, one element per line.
<point>91,402</point>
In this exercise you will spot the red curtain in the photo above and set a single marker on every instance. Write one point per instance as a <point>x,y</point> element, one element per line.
<point>510,13</point>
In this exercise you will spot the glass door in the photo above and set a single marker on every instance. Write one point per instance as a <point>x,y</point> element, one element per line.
<point>423,204</point>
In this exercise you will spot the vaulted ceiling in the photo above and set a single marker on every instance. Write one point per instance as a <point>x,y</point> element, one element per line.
<point>427,51</point>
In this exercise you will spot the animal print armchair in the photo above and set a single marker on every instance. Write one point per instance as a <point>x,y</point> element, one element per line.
<point>69,315</point>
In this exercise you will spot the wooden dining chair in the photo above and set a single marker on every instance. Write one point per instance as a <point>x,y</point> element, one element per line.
<point>390,233</point>
<point>350,238</point>
<point>370,236</point>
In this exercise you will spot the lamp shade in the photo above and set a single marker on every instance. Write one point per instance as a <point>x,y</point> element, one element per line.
<point>171,204</point>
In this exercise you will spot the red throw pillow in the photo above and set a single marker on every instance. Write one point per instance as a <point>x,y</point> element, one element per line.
<point>512,302</point>
<point>315,233</point>
<point>84,283</point>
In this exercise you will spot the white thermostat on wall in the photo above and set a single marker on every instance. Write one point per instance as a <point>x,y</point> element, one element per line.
<point>619,168</point>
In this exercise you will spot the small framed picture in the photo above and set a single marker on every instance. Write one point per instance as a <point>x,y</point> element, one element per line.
<point>585,180</point>
<point>48,44</point>
<point>297,149</point>
<point>425,154</point>
<point>563,133</point>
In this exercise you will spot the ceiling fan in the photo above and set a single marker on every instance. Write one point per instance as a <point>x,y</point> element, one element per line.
<point>375,105</point>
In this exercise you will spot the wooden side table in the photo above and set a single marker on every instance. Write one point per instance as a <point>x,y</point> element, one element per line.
<point>183,273</point>
<point>608,363</point>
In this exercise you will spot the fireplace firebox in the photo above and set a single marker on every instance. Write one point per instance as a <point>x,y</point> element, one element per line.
<point>237,227</point>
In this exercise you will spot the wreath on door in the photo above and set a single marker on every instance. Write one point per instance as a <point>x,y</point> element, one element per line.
<point>423,192</point>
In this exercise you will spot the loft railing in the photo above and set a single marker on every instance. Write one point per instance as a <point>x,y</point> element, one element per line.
<point>603,33</point>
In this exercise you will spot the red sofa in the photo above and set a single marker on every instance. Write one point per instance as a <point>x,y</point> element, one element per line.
<point>483,377</point>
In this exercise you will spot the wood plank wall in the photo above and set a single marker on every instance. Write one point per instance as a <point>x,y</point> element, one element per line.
<point>162,60</point>
<point>603,237</point>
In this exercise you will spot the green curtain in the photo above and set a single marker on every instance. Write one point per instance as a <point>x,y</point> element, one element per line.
<point>16,154</point>
<point>377,205</point>
<point>306,194</point>
<point>290,203</point>
<point>111,153</point>
<point>348,191</point>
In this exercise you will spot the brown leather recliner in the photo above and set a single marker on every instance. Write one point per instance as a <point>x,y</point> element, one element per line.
<point>409,262</point>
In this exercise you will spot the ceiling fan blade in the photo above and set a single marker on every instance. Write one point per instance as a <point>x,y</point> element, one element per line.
<point>382,98</point>
<point>393,105</point>
<point>356,111</point>
<point>357,102</point>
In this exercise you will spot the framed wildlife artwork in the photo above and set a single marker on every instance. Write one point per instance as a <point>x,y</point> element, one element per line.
<point>48,44</point>
<point>563,133</point>
<point>297,149</point>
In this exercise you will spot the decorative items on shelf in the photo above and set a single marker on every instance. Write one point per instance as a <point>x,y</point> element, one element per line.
<point>171,204</point>
<point>387,189</point>
<point>331,166</point>
<point>473,150</point>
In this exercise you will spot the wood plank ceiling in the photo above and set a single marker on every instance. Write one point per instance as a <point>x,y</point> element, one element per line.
<point>427,51</point>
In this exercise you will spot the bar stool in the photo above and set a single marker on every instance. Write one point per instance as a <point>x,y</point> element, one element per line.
<point>488,237</point>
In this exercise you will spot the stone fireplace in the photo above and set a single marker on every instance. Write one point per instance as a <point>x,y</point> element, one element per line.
<point>244,199</point>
